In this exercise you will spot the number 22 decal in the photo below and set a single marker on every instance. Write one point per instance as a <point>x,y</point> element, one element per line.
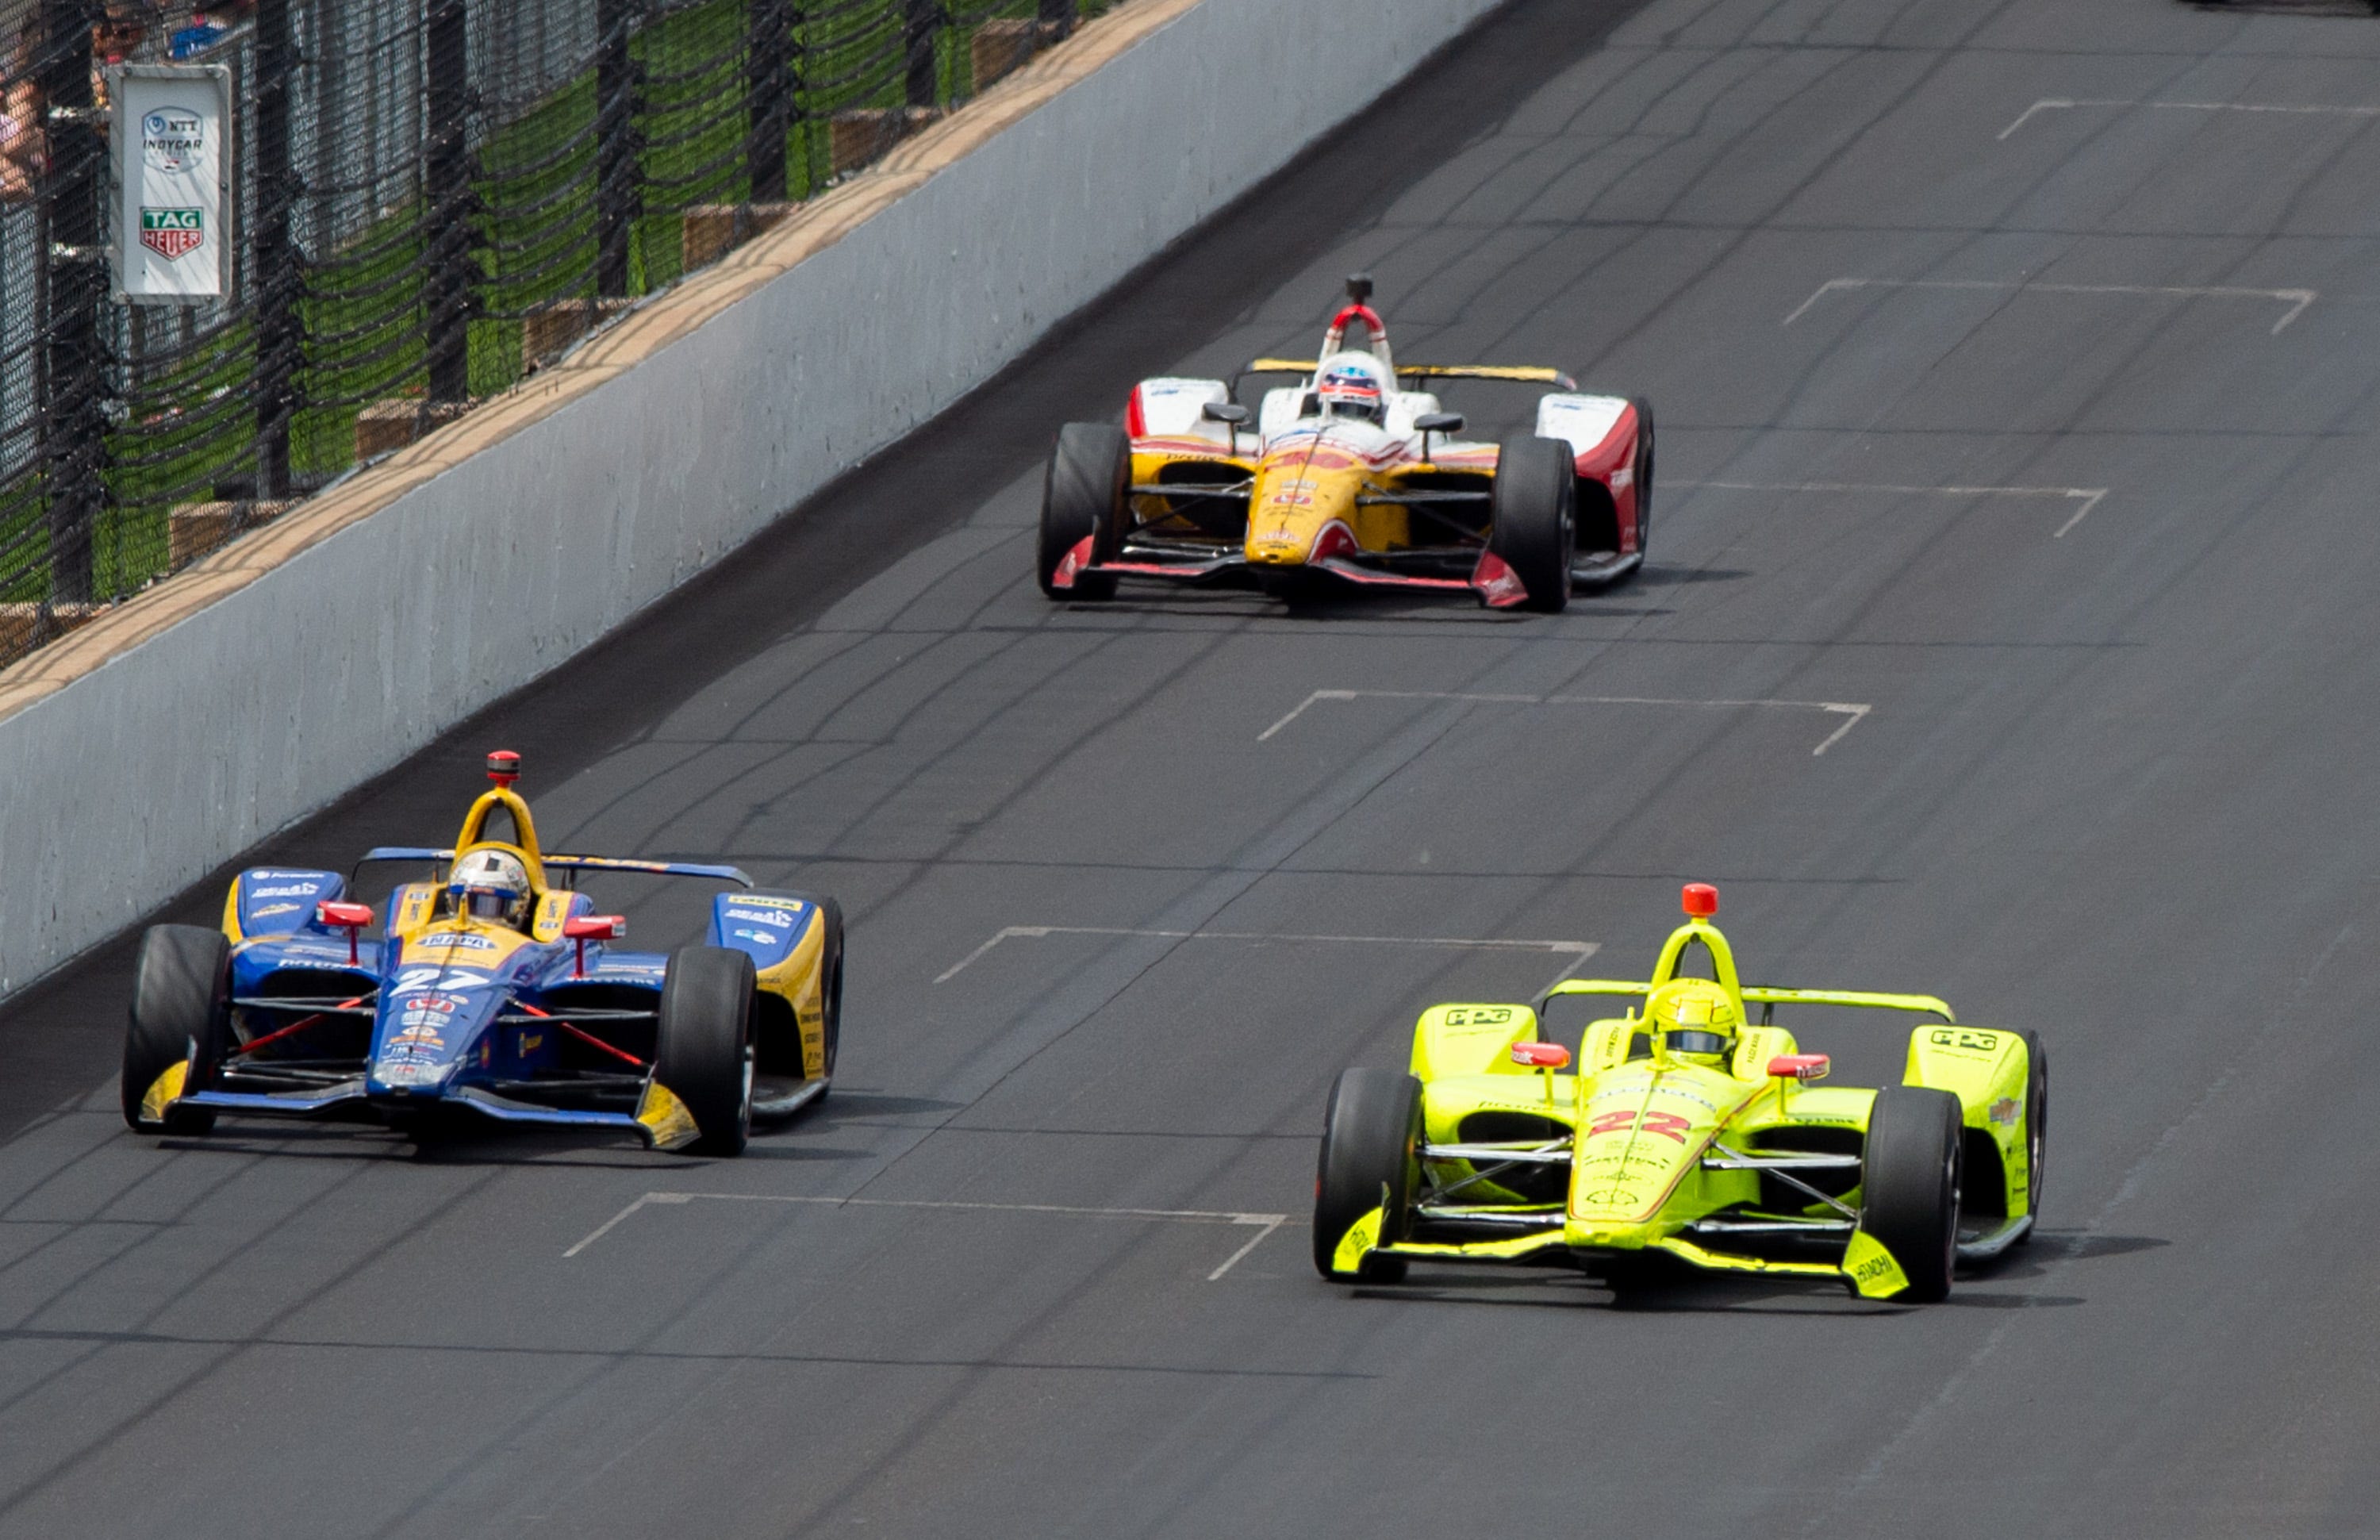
<point>1667,1124</point>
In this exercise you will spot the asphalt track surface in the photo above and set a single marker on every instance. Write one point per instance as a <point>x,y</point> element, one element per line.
<point>1977,413</point>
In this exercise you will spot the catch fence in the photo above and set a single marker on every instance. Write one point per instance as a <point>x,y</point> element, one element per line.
<point>429,198</point>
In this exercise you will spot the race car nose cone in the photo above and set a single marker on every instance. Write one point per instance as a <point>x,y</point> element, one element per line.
<point>1701,900</point>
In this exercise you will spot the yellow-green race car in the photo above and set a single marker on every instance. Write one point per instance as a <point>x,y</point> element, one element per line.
<point>1687,1131</point>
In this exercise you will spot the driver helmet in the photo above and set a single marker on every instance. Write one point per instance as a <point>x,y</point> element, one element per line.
<point>492,885</point>
<point>1696,1020</point>
<point>1353,385</point>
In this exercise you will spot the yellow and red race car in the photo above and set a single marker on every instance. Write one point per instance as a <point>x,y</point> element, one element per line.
<point>1351,474</point>
<point>1687,1132</point>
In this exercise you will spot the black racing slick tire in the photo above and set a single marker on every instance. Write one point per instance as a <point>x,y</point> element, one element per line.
<point>1533,518</point>
<point>2036,1126</point>
<point>181,1013</point>
<point>1910,1182</point>
<point>1372,1140</point>
<point>1085,496</point>
<point>705,1054</point>
<point>831,985</point>
<point>1643,474</point>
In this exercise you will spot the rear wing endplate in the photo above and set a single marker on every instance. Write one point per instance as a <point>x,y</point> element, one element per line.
<point>1922,1004</point>
<point>577,863</point>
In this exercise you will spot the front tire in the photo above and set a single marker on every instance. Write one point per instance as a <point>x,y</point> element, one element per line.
<point>181,1014</point>
<point>1533,518</point>
<point>1644,475</point>
<point>1910,1179</point>
<point>705,1056</point>
<point>1085,496</point>
<point>1372,1140</point>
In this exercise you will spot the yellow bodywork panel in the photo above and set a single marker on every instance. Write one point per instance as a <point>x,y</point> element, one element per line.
<point>800,979</point>
<point>667,1122</point>
<point>1362,1237</point>
<point>1872,1269</point>
<point>164,1091</point>
<point>1470,1039</point>
<point>1986,1068</point>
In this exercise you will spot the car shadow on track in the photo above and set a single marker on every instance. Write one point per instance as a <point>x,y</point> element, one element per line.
<point>464,1147</point>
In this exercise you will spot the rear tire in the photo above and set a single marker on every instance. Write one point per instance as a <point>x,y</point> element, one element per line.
<point>1085,497</point>
<point>705,1057</point>
<point>181,1013</point>
<point>2036,1127</point>
<point>831,988</point>
<point>1533,518</point>
<point>1910,1180</point>
<point>1643,474</point>
<point>1371,1139</point>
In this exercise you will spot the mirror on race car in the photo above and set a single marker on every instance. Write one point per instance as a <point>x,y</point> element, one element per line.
<point>333,914</point>
<point>1225,411</point>
<point>583,929</point>
<point>1540,1055</point>
<point>1439,422</point>
<point>1800,1066</point>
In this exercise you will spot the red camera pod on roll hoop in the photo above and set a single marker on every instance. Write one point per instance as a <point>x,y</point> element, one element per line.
<point>503,766</point>
<point>1701,900</point>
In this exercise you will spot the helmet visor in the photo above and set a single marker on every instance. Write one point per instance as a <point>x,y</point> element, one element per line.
<point>1697,1042</point>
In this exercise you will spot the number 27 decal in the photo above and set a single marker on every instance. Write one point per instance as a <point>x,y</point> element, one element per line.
<point>411,979</point>
<point>1667,1124</point>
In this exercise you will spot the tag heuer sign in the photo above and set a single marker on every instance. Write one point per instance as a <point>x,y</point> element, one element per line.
<point>169,146</point>
<point>173,233</point>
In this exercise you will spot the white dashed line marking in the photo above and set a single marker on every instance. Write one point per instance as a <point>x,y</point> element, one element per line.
<point>1579,951</point>
<point>2296,300</point>
<point>1852,710</point>
<point>2063,104</point>
<point>2088,497</point>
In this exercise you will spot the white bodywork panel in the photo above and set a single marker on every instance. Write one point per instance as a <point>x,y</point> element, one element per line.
<point>1173,409</point>
<point>1582,420</point>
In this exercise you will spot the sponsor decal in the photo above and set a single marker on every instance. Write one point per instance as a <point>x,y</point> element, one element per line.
<point>2003,1112</point>
<point>272,909</point>
<point>172,138</point>
<point>411,1076</point>
<point>531,1042</point>
<point>1961,1040</point>
<point>294,890</point>
<point>1667,1124</point>
<point>173,234</point>
<point>782,919</point>
<point>458,940</point>
<point>419,1035</point>
<point>766,938</point>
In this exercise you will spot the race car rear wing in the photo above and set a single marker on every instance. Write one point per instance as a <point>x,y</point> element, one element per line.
<point>1530,374</point>
<point>577,863</point>
<point>1752,995</point>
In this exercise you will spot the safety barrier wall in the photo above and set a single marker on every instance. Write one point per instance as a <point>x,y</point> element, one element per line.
<point>152,766</point>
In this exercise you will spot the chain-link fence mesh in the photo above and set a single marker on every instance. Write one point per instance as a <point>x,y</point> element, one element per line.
<point>430,197</point>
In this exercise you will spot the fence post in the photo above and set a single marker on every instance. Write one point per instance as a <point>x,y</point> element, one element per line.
<point>767,67</point>
<point>446,176</point>
<point>74,425</point>
<point>1057,18</point>
<point>615,147</point>
<point>921,30</point>
<point>273,251</point>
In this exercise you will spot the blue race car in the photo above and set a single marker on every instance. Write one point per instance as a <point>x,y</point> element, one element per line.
<point>495,989</point>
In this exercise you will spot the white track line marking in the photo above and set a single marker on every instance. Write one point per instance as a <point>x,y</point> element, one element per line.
<point>1853,710</point>
<point>2296,300</point>
<point>2088,496</point>
<point>1266,1223</point>
<point>1580,951</point>
<point>2061,103</point>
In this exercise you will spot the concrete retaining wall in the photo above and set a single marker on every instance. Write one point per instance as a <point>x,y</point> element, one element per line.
<point>274,695</point>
